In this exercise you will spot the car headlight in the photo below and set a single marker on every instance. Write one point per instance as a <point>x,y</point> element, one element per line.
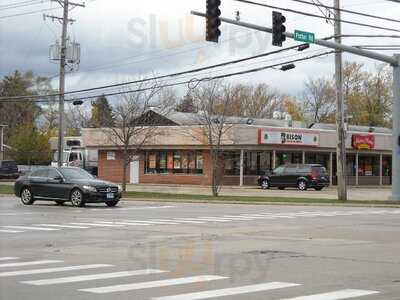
<point>119,188</point>
<point>90,188</point>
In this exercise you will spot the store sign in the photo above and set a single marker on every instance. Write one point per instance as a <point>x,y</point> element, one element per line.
<point>288,138</point>
<point>363,142</point>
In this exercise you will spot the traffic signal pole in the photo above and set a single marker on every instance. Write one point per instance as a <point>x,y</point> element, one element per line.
<point>394,61</point>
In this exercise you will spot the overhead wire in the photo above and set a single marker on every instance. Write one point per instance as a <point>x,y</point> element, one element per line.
<point>163,76</point>
<point>184,82</point>
<point>317,16</point>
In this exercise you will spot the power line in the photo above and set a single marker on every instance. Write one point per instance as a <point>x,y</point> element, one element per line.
<point>189,81</point>
<point>28,13</point>
<point>213,77</point>
<point>162,76</point>
<point>37,2</point>
<point>18,3</point>
<point>317,16</point>
<point>347,11</point>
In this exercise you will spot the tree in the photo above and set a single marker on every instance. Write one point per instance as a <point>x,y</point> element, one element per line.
<point>101,113</point>
<point>319,100</point>
<point>18,84</point>
<point>186,105</point>
<point>213,101</point>
<point>30,146</point>
<point>133,125</point>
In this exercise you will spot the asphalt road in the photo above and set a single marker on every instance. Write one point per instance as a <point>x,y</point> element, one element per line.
<point>144,250</point>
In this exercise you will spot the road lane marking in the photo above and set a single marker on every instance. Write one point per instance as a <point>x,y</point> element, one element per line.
<point>230,291</point>
<point>152,284</point>
<point>96,224</point>
<point>337,295</point>
<point>30,263</point>
<point>93,277</point>
<point>62,226</point>
<point>52,270</point>
<point>10,231</point>
<point>8,258</point>
<point>151,222</point>
<point>213,219</point>
<point>123,223</point>
<point>30,228</point>
<point>180,221</point>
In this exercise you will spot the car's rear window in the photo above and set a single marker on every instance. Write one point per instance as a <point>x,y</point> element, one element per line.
<point>8,164</point>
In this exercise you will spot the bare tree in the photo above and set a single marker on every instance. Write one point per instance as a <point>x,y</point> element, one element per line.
<point>213,101</point>
<point>134,124</point>
<point>319,100</point>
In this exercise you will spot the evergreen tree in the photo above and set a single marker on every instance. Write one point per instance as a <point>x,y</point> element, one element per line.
<point>101,113</point>
<point>186,105</point>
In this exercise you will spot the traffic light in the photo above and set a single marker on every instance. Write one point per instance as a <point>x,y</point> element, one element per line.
<point>213,21</point>
<point>278,29</point>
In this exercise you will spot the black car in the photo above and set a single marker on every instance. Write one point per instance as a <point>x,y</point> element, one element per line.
<point>8,169</point>
<point>66,184</point>
<point>300,176</point>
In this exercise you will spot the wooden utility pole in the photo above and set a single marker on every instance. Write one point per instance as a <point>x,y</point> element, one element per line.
<point>341,134</point>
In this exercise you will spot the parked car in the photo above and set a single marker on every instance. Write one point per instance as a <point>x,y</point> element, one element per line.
<point>8,169</point>
<point>292,175</point>
<point>66,184</point>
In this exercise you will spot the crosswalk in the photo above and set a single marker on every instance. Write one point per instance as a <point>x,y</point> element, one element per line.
<point>142,280</point>
<point>198,220</point>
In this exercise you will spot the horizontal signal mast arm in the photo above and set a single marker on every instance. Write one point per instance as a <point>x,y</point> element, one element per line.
<point>370,54</point>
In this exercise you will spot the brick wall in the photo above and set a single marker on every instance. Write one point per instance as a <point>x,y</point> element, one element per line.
<point>111,169</point>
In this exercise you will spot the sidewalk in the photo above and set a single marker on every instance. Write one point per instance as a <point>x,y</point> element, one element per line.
<point>354,193</point>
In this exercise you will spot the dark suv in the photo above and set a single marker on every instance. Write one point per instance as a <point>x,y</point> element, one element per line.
<point>8,169</point>
<point>300,176</point>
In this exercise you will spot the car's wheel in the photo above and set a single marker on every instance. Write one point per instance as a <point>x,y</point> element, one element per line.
<point>265,184</point>
<point>281,187</point>
<point>77,198</point>
<point>319,188</point>
<point>60,202</point>
<point>302,185</point>
<point>26,196</point>
<point>112,203</point>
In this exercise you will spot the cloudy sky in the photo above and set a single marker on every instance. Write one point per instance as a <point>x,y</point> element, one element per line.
<point>125,39</point>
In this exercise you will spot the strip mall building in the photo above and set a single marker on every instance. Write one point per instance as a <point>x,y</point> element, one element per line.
<point>178,153</point>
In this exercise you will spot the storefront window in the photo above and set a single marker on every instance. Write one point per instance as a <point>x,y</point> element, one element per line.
<point>368,166</point>
<point>284,158</point>
<point>232,163</point>
<point>163,162</point>
<point>387,166</point>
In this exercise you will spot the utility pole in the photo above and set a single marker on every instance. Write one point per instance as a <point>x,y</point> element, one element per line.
<point>66,4</point>
<point>341,134</point>
<point>62,85</point>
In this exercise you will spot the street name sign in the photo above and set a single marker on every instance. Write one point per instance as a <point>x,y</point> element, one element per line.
<point>304,36</point>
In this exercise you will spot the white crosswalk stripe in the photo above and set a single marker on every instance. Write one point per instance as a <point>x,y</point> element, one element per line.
<point>8,258</point>
<point>63,226</point>
<point>123,223</point>
<point>31,228</point>
<point>152,284</point>
<point>180,221</point>
<point>337,295</point>
<point>212,219</point>
<point>93,277</point>
<point>29,263</point>
<point>10,231</point>
<point>52,270</point>
<point>230,291</point>
<point>96,224</point>
<point>152,222</point>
